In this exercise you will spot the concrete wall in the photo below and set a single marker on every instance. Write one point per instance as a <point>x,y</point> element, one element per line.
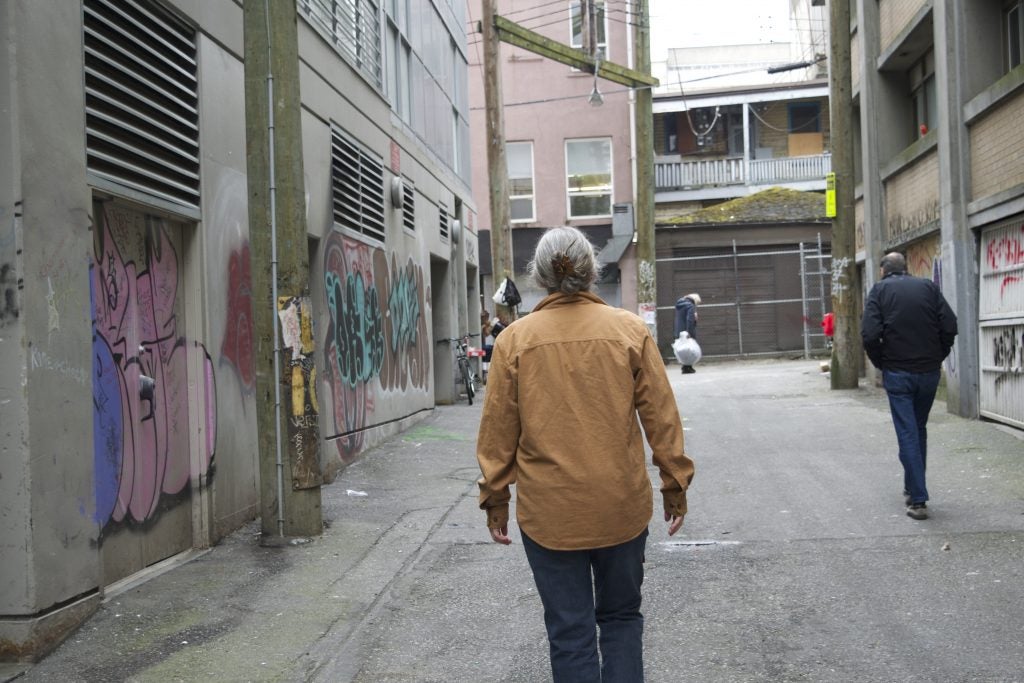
<point>51,453</point>
<point>47,445</point>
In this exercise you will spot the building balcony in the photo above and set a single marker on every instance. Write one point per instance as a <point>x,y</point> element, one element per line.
<point>679,178</point>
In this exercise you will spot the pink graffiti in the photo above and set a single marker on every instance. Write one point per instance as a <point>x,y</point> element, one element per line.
<point>237,349</point>
<point>135,318</point>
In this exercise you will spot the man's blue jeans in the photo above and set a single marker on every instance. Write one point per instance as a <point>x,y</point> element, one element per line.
<point>574,603</point>
<point>911,395</point>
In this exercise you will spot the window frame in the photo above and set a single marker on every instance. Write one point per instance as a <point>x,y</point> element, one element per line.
<point>792,112</point>
<point>1011,61</point>
<point>923,93</point>
<point>576,10</point>
<point>608,189</point>
<point>532,195</point>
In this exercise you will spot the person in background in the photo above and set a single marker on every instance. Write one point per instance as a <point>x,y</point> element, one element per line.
<point>908,329</point>
<point>583,495</point>
<point>686,320</point>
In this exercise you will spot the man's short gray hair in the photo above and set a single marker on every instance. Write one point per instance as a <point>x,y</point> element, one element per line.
<point>893,262</point>
<point>564,261</point>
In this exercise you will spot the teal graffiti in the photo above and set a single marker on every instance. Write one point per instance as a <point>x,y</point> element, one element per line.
<point>404,309</point>
<point>356,331</point>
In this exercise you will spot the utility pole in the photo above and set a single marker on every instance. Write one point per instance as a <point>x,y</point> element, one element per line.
<point>845,366</point>
<point>286,407</point>
<point>497,166</point>
<point>646,285</point>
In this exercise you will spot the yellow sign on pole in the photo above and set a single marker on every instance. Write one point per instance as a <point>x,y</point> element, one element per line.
<point>830,195</point>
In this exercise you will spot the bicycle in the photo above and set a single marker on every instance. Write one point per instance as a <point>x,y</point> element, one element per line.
<point>466,374</point>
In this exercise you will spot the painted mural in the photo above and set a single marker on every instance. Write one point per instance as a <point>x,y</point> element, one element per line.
<point>140,369</point>
<point>376,337</point>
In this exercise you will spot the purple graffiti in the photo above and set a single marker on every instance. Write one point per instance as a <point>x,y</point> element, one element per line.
<point>141,438</point>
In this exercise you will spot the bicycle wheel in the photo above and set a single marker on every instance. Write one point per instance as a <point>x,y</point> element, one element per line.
<point>467,379</point>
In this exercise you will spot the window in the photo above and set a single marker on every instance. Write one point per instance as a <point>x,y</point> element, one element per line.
<point>804,117</point>
<point>399,56</point>
<point>671,140</point>
<point>588,165</point>
<point>922,95</point>
<point>353,28</point>
<point>1013,33</point>
<point>519,157</point>
<point>580,24</point>
<point>357,187</point>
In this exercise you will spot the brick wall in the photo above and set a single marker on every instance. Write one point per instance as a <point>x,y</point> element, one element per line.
<point>997,146</point>
<point>893,17</point>
<point>912,198</point>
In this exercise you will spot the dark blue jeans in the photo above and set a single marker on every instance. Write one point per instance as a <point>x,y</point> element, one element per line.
<point>911,395</point>
<point>583,590</point>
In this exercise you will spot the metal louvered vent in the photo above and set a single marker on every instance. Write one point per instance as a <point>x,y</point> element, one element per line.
<point>357,181</point>
<point>408,205</point>
<point>442,224</point>
<point>141,100</point>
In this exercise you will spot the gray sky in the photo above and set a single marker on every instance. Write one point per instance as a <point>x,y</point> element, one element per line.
<point>699,23</point>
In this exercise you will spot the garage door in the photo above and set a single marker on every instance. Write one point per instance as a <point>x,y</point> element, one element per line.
<point>1001,322</point>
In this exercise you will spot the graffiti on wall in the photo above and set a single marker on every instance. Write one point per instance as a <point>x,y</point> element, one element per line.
<point>924,259</point>
<point>10,283</point>
<point>237,348</point>
<point>377,333</point>
<point>1008,349</point>
<point>1006,252</point>
<point>140,372</point>
<point>904,227</point>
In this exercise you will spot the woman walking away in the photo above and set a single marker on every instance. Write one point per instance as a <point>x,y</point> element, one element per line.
<point>570,386</point>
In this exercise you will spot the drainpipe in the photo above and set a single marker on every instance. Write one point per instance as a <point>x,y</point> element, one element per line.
<point>279,459</point>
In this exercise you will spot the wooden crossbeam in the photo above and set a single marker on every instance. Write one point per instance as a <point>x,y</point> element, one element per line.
<point>514,34</point>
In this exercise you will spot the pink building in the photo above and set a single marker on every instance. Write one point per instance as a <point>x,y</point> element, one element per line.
<point>570,161</point>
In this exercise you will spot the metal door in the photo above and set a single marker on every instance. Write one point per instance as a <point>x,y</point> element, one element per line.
<point>141,441</point>
<point>1001,322</point>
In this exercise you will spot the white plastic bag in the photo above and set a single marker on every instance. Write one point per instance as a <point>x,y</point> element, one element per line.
<point>687,349</point>
<point>499,296</point>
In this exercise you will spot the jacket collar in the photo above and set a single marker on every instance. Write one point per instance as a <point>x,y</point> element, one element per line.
<point>561,299</point>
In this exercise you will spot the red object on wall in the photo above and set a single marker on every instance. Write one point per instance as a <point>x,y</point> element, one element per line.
<point>828,324</point>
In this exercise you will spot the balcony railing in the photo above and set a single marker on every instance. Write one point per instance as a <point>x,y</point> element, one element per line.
<point>691,175</point>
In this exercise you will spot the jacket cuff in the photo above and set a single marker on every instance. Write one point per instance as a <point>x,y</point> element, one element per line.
<point>497,517</point>
<point>675,503</point>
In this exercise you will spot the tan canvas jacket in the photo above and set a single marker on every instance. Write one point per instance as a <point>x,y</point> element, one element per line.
<point>566,385</point>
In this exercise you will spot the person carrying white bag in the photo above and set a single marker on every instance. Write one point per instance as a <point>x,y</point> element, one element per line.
<point>686,321</point>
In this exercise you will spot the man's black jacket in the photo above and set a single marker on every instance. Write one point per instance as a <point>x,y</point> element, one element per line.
<point>908,325</point>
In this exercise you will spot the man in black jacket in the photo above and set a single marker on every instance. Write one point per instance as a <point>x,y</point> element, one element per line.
<point>908,330</point>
